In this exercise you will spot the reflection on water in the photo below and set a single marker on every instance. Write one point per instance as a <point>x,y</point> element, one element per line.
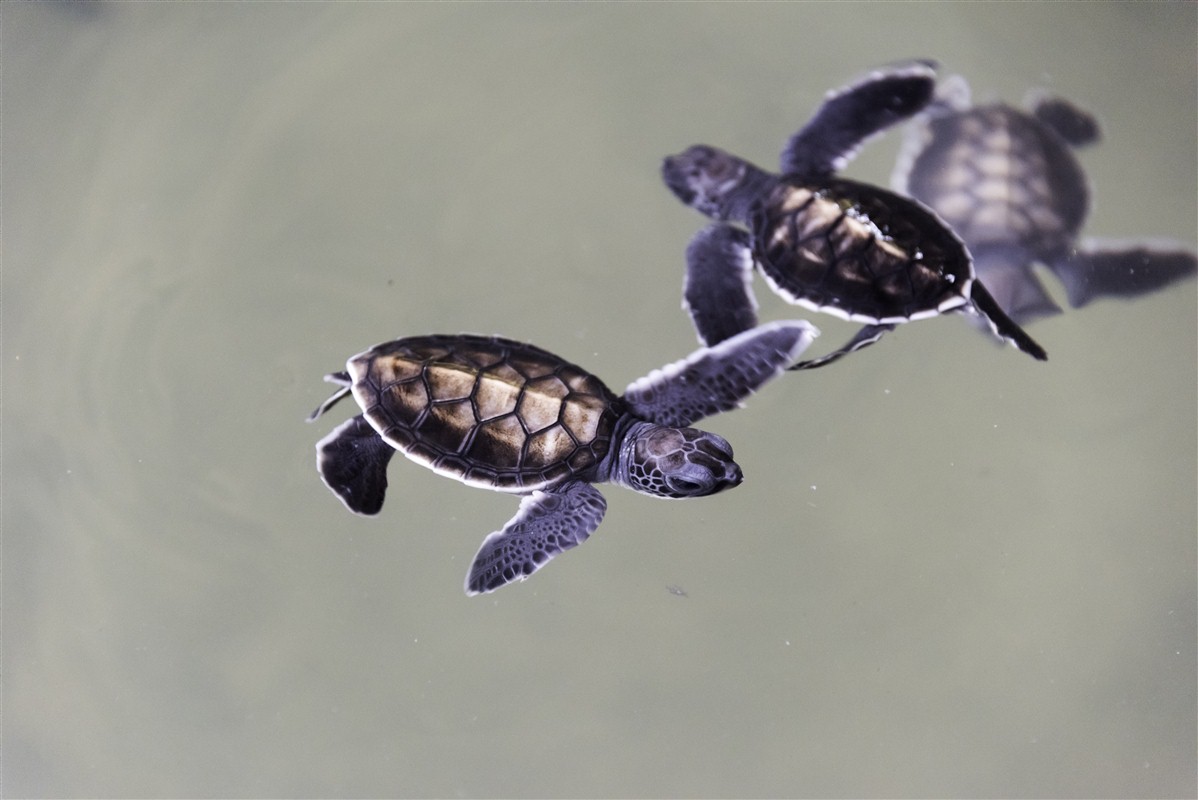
<point>950,570</point>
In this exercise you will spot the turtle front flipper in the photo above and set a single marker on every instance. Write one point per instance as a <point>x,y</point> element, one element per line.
<point>547,523</point>
<point>718,378</point>
<point>851,115</point>
<point>864,338</point>
<point>717,291</point>
<point>1001,324</point>
<point>352,461</point>
<point>1121,270</point>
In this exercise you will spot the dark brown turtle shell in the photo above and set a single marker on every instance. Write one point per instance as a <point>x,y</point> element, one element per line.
<point>488,411</point>
<point>858,252</point>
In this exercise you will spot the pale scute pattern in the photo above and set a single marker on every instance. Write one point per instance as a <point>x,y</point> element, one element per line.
<point>1008,182</point>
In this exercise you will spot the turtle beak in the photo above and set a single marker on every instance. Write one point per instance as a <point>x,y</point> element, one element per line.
<point>673,175</point>
<point>733,476</point>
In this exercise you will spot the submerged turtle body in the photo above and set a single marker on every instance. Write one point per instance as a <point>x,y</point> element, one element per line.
<point>1008,182</point>
<point>1000,177</point>
<point>508,416</point>
<point>834,245</point>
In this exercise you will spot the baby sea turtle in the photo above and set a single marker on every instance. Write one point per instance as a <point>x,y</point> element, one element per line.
<point>1008,183</point>
<point>829,244</point>
<point>508,416</point>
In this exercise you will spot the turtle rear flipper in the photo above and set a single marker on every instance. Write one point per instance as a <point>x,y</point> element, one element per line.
<point>864,338</point>
<point>1075,125</point>
<point>352,461</point>
<point>1121,270</point>
<point>341,379</point>
<point>851,115</point>
<point>1012,281</point>
<point>985,304</point>
<point>548,523</point>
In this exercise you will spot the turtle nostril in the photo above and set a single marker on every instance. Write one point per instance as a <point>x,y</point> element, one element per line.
<point>734,476</point>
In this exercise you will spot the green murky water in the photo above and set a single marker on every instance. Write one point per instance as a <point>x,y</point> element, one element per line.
<point>952,571</point>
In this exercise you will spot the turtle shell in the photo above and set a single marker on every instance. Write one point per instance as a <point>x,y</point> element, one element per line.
<point>1000,177</point>
<point>858,252</point>
<point>488,411</point>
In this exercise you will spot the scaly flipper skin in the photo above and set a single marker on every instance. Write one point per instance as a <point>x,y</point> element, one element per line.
<point>352,462</point>
<point>850,116</point>
<point>717,291</point>
<point>547,523</point>
<point>718,378</point>
<point>1121,269</point>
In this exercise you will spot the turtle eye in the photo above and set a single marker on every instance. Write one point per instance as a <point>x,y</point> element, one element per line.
<point>684,488</point>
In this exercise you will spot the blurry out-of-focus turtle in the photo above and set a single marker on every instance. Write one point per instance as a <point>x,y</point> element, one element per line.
<point>508,416</point>
<point>1008,183</point>
<point>850,249</point>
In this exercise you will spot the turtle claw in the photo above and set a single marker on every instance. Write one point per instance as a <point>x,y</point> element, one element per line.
<point>352,461</point>
<point>548,523</point>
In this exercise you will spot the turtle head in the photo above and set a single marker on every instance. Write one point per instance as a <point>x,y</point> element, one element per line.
<point>676,462</point>
<point>714,182</point>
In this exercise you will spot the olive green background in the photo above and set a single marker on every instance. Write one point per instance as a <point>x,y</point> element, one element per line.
<point>951,571</point>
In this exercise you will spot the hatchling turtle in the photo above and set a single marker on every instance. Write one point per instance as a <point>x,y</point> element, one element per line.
<point>1008,183</point>
<point>503,415</point>
<point>850,249</point>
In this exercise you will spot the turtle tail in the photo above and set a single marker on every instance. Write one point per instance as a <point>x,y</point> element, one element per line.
<point>341,379</point>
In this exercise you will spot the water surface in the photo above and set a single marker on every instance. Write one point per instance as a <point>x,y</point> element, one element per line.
<point>951,571</point>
